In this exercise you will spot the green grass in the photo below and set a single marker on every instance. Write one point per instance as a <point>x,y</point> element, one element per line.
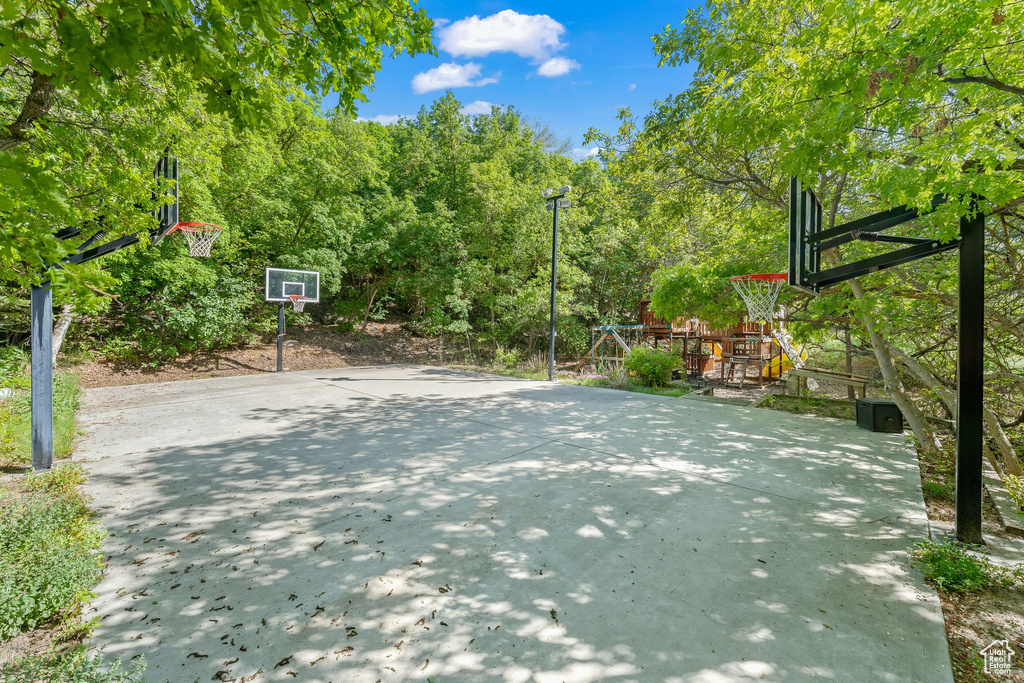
<point>49,563</point>
<point>939,490</point>
<point>822,407</point>
<point>16,411</point>
<point>74,665</point>
<point>614,380</point>
<point>952,568</point>
<point>675,390</point>
<point>938,472</point>
<point>49,552</point>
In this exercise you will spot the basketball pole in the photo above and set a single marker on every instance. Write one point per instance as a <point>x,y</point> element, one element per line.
<point>42,376</point>
<point>280,337</point>
<point>970,378</point>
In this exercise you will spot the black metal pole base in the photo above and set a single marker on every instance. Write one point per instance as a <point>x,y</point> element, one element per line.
<point>280,337</point>
<point>970,379</point>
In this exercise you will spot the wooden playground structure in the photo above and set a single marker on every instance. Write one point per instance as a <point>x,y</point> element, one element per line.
<point>733,350</point>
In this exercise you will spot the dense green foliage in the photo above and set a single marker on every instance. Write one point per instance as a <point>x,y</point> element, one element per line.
<point>16,409</point>
<point>437,220</point>
<point>953,568</point>
<point>75,666</point>
<point>49,553</point>
<point>91,92</point>
<point>651,367</point>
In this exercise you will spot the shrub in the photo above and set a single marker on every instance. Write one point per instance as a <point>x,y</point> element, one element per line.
<point>952,568</point>
<point>649,367</point>
<point>60,480</point>
<point>74,665</point>
<point>507,358</point>
<point>49,556</point>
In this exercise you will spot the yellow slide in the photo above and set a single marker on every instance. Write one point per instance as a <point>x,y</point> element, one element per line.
<point>781,363</point>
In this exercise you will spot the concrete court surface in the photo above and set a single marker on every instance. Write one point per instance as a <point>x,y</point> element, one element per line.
<point>408,523</point>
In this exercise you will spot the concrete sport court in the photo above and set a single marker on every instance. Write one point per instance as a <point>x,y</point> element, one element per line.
<point>408,523</point>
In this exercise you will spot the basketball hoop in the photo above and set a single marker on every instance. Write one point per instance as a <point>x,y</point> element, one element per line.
<point>298,301</point>
<point>200,236</point>
<point>759,292</point>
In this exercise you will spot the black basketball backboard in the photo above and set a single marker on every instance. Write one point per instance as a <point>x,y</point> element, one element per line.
<point>166,178</point>
<point>808,240</point>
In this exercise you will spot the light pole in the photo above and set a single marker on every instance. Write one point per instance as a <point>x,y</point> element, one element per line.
<point>554,203</point>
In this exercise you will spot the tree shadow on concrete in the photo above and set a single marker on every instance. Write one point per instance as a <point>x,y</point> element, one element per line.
<point>522,532</point>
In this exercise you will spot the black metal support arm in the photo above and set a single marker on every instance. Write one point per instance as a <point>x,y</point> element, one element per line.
<point>843,273</point>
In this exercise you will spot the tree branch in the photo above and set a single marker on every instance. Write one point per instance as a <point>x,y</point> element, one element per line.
<point>990,82</point>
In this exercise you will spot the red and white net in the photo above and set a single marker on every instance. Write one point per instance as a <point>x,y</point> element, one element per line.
<point>298,301</point>
<point>200,236</point>
<point>760,292</point>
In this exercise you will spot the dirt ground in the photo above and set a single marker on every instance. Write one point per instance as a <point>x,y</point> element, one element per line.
<point>974,621</point>
<point>315,347</point>
<point>306,348</point>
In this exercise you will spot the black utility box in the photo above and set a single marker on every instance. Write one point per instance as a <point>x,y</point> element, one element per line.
<point>879,415</point>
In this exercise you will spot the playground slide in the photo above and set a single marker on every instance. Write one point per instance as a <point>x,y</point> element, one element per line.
<point>781,363</point>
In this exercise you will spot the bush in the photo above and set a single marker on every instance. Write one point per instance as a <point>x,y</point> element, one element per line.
<point>649,367</point>
<point>952,568</point>
<point>60,480</point>
<point>49,554</point>
<point>507,358</point>
<point>74,666</point>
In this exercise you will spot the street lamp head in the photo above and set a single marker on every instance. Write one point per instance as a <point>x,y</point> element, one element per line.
<point>547,192</point>
<point>565,189</point>
<point>564,203</point>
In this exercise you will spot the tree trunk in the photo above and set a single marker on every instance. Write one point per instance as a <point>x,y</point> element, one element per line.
<point>369,306</point>
<point>1010,463</point>
<point>918,422</point>
<point>37,105</point>
<point>851,393</point>
<point>67,312</point>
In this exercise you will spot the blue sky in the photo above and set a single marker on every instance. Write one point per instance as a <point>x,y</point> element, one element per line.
<point>571,65</point>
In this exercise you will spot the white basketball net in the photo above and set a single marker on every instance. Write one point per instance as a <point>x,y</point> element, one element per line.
<point>298,302</point>
<point>760,296</point>
<point>201,239</point>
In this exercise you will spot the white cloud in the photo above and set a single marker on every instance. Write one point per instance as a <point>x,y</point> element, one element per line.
<point>557,66</point>
<point>584,153</point>
<point>477,107</point>
<point>451,75</point>
<point>385,119</point>
<point>535,36</point>
<point>632,87</point>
